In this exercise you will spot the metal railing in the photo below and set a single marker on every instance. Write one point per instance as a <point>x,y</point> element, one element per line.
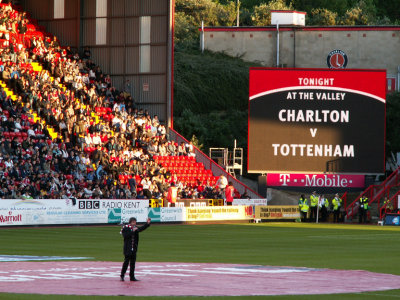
<point>374,192</point>
<point>382,210</point>
<point>344,198</point>
<point>209,164</point>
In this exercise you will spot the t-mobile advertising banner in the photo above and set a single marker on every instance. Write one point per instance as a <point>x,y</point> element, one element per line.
<point>316,180</point>
<point>316,121</point>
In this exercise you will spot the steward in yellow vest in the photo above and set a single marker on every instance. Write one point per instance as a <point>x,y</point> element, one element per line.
<point>389,205</point>
<point>314,206</point>
<point>337,204</point>
<point>363,210</point>
<point>303,207</point>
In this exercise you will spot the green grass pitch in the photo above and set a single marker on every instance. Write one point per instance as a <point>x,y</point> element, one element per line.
<point>371,248</point>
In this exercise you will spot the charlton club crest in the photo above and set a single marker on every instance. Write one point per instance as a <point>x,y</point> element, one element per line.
<point>337,59</point>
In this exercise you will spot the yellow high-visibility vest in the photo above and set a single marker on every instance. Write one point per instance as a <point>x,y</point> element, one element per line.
<point>314,201</point>
<point>337,203</point>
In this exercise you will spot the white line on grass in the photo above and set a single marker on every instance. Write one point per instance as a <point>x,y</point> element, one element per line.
<point>362,236</point>
<point>384,295</point>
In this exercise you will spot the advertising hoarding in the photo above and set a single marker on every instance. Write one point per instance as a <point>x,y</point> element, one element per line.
<point>63,211</point>
<point>41,212</point>
<point>392,219</point>
<point>118,210</point>
<point>316,180</point>
<point>219,213</point>
<point>277,212</point>
<point>250,202</point>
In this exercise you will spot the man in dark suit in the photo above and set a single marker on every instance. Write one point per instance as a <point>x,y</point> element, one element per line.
<point>130,233</point>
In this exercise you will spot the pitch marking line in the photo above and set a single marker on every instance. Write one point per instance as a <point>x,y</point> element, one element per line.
<point>384,295</point>
<point>8,258</point>
<point>352,236</point>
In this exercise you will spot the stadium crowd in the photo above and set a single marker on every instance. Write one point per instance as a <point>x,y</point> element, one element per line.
<point>69,133</point>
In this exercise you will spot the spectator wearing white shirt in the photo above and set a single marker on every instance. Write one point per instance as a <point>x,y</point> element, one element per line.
<point>17,125</point>
<point>146,182</point>
<point>96,139</point>
<point>222,182</point>
<point>92,74</point>
<point>161,130</point>
<point>138,153</point>
<point>31,132</point>
<point>88,140</point>
<point>116,122</point>
<point>140,121</point>
<point>85,79</point>
<point>88,192</point>
<point>155,121</point>
<point>8,163</point>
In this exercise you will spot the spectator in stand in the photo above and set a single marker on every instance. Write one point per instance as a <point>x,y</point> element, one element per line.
<point>229,192</point>
<point>86,53</point>
<point>190,149</point>
<point>222,182</point>
<point>182,149</point>
<point>172,195</point>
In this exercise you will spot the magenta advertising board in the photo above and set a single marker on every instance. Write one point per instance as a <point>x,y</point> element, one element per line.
<point>315,180</point>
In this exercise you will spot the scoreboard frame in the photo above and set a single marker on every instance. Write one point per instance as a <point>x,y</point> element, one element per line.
<point>358,86</point>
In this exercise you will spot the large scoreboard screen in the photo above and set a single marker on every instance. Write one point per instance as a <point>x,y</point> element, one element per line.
<point>316,121</point>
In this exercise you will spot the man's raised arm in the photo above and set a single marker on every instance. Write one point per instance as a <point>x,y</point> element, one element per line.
<point>141,228</point>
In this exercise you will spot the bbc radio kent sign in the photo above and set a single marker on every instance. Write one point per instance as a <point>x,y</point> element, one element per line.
<point>316,121</point>
<point>112,203</point>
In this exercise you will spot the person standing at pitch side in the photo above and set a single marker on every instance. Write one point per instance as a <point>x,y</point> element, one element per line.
<point>130,232</point>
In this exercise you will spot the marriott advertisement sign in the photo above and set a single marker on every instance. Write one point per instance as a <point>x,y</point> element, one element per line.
<point>317,121</point>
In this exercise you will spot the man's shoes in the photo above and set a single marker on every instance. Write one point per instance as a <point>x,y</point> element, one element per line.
<point>134,279</point>
<point>121,278</point>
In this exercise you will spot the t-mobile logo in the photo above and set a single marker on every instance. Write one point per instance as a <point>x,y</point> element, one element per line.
<point>284,178</point>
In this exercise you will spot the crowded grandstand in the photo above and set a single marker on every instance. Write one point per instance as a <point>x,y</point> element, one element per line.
<point>66,131</point>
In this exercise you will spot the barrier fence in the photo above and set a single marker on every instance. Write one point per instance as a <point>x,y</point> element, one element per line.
<point>16,212</point>
<point>217,170</point>
<point>374,193</point>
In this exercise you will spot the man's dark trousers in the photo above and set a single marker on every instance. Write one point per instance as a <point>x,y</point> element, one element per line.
<point>313,216</point>
<point>362,218</point>
<point>132,260</point>
<point>336,216</point>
